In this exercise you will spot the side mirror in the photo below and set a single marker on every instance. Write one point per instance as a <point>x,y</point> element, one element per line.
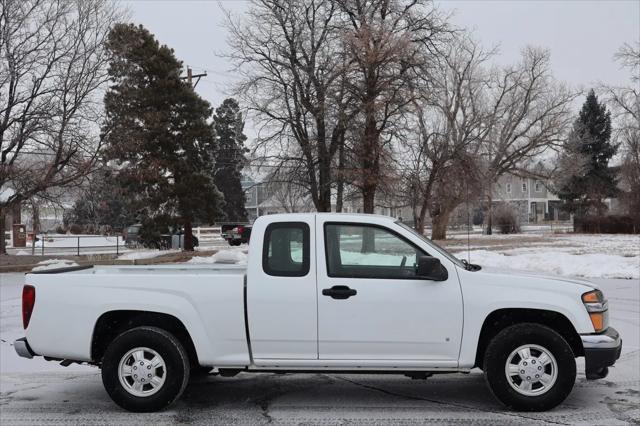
<point>430,268</point>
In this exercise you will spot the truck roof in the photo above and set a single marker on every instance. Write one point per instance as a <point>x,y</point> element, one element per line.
<point>338,216</point>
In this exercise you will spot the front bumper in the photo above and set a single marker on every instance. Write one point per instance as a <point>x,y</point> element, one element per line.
<point>601,351</point>
<point>23,349</point>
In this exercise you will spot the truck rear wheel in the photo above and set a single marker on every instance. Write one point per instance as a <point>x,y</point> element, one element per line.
<point>145,369</point>
<point>529,367</point>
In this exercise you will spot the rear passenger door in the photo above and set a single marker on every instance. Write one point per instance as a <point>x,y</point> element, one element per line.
<point>281,294</point>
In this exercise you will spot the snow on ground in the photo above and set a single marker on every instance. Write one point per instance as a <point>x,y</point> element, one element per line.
<point>622,244</point>
<point>145,254</point>
<point>583,255</point>
<point>237,255</point>
<point>54,264</point>
<point>592,265</point>
<point>64,240</point>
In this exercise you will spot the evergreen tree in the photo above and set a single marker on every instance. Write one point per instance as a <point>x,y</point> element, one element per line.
<point>103,204</point>
<point>230,158</point>
<point>589,145</point>
<point>157,132</point>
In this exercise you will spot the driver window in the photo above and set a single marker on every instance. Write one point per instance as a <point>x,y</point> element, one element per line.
<point>365,251</point>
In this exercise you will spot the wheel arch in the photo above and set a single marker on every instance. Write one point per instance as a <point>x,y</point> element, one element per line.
<point>500,319</point>
<point>112,323</point>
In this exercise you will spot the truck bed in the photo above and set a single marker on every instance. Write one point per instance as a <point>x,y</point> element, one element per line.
<point>197,269</point>
<point>207,299</point>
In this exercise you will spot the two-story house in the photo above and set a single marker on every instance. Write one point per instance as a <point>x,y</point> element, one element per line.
<point>530,197</point>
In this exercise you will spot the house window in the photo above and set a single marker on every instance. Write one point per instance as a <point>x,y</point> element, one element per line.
<point>538,186</point>
<point>508,188</point>
<point>524,186</point>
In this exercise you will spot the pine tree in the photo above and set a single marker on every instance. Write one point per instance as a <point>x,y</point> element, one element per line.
<point>103,203</point>
<point>157,132</point>
<point>230,158</point>
<point>586,187</point>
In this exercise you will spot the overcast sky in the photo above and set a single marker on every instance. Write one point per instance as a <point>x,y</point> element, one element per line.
<point>582,35</point>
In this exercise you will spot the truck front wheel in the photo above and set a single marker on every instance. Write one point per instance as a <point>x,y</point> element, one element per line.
<point>529,367</point>
<point>145,369</point>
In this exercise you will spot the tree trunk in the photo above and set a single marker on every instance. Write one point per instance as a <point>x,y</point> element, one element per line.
<point>420,222</point>
<point>35,226</point>
<point>368,199</point>
<point>340,179</point>
<point>440,223</point>
<point>324,185</point>
<point>3,248</point>
<point>188,236</point>
<point>368,240</point>
<point>489,230</point>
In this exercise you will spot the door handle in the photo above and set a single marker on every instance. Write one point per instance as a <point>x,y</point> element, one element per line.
<point>339,292</point>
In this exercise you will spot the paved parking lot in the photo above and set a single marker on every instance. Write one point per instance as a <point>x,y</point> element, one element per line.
<point>36,392</point>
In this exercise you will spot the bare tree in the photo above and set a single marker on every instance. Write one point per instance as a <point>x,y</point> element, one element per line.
<point>453,120</point>
<point>625,105</point>
<point>289,195</point>
<point>532,113</point>
<point>391,43</point>
<point>52,67</point>
<point>292,63</point>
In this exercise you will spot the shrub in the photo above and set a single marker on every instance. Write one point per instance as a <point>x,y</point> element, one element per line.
<point>506,219</point>
<point>75,229</point>
<point>614,224</point>
<point>60,230</point>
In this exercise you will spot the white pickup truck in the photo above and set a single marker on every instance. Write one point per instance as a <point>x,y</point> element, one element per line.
<point>321,292</point>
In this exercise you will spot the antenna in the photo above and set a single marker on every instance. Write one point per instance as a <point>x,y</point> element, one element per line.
<point>468,226</point>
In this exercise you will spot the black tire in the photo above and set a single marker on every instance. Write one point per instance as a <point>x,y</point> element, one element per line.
<point>511,338</point>
<point>176,375</point>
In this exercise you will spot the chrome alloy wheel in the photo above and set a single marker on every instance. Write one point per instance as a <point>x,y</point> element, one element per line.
<point>531,370</point>
<point>142,372</point>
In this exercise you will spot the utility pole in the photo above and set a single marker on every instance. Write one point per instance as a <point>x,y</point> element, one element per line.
<point>188,229</point>
<point>190,76</point>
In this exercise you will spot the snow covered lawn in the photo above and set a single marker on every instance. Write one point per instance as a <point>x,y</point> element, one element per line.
<point>145,254</point>
<point>63,240</point>
<point>593,265</point>
<point>581,255</point>
<point>54,264</point>
<point>229,256</point>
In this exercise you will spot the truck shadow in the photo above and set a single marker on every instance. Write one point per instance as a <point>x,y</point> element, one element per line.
<point>339,391</point>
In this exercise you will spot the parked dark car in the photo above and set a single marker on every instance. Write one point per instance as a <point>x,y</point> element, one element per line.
<point>236,234</point>
<point>133,239</point>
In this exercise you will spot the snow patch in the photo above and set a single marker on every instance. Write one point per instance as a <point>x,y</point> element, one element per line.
<point>147,254</point>
<point>588,265</point>
<point>229,256</point>
<point>54,264</point>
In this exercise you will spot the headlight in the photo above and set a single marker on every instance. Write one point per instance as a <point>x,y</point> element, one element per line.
<point>598,309</point>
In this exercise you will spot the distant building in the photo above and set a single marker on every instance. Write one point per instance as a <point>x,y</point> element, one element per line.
<point>531,198</point>
<point>255,194</point>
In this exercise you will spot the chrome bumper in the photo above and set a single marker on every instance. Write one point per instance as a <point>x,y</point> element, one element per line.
<point>22,348</point>
<point>601,351</point>
<point>609,339</point>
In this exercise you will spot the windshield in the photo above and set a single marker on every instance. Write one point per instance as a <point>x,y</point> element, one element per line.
<point>133,230</point>
<point>440,250</point>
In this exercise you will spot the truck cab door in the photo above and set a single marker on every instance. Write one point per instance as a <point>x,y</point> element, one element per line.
<point>372,306</point>
<point>281,290</point>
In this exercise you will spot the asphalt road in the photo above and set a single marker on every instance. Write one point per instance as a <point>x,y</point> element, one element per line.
<point>35,392</point>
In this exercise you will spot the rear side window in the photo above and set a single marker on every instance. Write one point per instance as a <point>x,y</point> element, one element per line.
<point>286,249</point>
